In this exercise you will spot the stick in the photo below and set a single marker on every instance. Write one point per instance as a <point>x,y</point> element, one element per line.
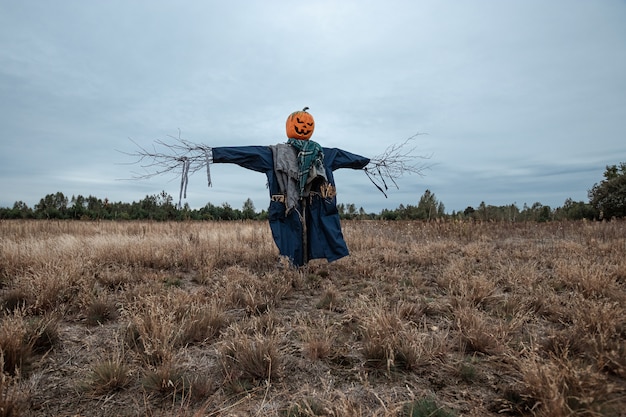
<point>305,245</point>
<point>393,163</point>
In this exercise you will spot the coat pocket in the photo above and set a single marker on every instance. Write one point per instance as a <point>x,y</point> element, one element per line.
<point>330,208</point>
<point>276,211</point>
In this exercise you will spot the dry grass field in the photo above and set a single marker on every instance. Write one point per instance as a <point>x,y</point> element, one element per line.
<point>423,319</point>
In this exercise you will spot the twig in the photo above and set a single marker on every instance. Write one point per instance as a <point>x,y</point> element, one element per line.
<point>160,161</point>
<point>397,160</point>
<point>165,158</point>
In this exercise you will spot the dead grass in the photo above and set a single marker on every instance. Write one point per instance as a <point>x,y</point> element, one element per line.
<point>109,376</point>
<point>250,359</point>
<point>15,349</point>
<point>185,319</point>
<point>10,402</point>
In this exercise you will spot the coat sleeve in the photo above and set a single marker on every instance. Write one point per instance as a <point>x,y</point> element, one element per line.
<point>338,158</point>
<point>256,158</point>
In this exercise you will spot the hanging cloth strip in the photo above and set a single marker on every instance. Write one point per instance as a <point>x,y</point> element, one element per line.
<point>207,157</point>
<point>184,177</point>
<point>184,180</point>
<point>309,153</point>
<point>287,174</point>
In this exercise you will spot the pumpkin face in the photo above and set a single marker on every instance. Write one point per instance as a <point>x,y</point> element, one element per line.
<point>300,125</point>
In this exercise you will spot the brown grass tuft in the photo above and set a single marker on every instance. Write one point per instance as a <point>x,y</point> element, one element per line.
<point>478,333</point>
<point>319,340</point>
<point>153,329</point>
<point>250,358</point>
<point>15,349</point>
<point>201,321</point>
<point>10,400</point>
<point>21,338</point>
<point>14,299</point>
<point>330,299</point>
<point>100,311</point>
<point>391,343</point>
<point>256,294</point>
<point>109,376</point>
<point>560,387</point>
<point>172,381</point>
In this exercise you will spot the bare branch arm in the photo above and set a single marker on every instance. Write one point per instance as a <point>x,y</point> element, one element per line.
<point>397,160</point>
<point>181,156</point>
<point>166,157</point>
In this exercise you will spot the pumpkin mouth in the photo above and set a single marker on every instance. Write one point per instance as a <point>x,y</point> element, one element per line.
<point>301,131</point>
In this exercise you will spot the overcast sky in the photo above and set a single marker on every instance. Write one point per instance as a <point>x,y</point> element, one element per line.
<point>519,101</point>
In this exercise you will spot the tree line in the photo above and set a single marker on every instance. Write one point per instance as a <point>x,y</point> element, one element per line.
<point>607,200</point>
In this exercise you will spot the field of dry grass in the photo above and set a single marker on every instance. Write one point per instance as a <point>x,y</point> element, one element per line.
<point>423,319</point>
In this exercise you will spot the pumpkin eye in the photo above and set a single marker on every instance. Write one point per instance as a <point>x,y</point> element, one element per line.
<point>310,124</point>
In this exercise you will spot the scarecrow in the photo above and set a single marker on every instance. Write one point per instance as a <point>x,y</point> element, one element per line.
<point>303,214</point>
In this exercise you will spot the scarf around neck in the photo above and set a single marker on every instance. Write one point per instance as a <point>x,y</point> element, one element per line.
<point>309,153</point>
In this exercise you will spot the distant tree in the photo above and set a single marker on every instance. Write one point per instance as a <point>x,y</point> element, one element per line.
<point>410,212</point>
<point>155,207</point>
<point>52,206</point>
<point>185,212</point>
<point>95,206</point>
<point>608,197</point>
<point>227,212</point>
<point>488,212</point>
<point>612,171</point>
<point>248,212</point>
<point>263,215</point>
<point>20,210</point>
<point>386,214</point>
<point>208,212</point>
<point>351,211</point>
<point>545,214</point>
<point>78,208</point>
<point>537,212</point>
<point>512,212</point>
<point>427,208</point>
<point>575,210</point>
<point>441,210</point>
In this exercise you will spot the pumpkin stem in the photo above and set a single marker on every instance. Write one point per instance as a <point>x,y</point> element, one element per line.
<point>305,109</point>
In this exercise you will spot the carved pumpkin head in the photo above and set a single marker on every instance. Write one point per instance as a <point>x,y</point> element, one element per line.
<point>300,125</point>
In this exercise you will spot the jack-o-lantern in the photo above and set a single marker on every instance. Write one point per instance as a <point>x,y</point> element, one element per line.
<point>300,125</point>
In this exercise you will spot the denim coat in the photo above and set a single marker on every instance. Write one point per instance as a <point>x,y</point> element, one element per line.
<point>324,236</point>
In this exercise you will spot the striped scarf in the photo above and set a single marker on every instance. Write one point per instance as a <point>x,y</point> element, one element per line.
<point>309,153</point>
